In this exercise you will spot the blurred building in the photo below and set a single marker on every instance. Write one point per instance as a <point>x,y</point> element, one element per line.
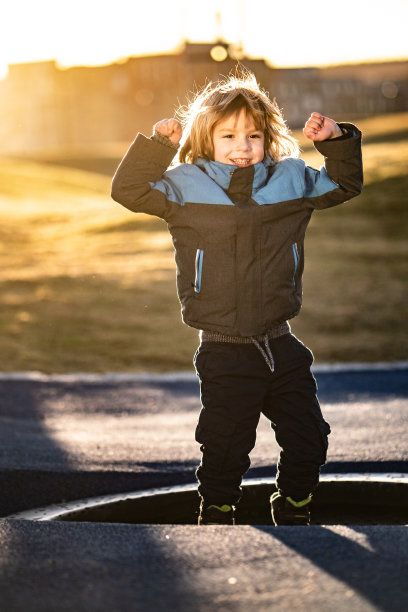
<point>47,109</point>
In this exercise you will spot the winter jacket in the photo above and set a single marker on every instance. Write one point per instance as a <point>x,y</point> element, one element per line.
<point>238,233</point>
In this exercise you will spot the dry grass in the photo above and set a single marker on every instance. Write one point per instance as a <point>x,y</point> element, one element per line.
<point>87,285</point>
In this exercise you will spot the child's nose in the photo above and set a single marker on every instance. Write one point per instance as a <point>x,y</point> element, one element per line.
<point>243,144</point>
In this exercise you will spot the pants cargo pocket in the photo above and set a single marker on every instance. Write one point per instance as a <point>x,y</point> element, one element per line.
<point>324,432</point>
<point>214,432</point>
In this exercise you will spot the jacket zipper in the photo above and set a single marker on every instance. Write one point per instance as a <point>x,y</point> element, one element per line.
<point>296,260</point>
<point>198,270</point>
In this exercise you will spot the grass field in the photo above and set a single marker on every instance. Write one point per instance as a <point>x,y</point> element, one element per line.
<point>88,286</point>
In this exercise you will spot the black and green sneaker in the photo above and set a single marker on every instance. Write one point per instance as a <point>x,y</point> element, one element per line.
<point>287,511</point>
<point>216,515</point>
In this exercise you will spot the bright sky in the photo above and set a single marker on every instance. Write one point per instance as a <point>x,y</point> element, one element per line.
<point>293,32</point>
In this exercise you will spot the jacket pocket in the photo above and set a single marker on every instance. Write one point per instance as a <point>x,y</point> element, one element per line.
<point>198,270</point>
<point>210,298</point>
<point>295,252</point>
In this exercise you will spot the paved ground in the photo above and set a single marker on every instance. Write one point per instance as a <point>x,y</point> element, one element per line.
<point>114,568</point>
<point>67,438</point>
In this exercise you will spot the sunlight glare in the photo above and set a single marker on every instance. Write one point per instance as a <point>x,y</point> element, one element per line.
<point>91,32</point>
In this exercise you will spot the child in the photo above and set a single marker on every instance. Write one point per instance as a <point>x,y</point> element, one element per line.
<point>237,207</point>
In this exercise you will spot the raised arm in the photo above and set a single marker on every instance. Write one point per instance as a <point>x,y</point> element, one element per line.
<point>144,163</point>
<point>340,144</point>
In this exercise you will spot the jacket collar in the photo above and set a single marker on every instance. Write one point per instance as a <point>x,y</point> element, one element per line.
<point>222,173</point>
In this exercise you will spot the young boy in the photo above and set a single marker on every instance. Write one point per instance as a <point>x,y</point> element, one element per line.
<point>237,207</point>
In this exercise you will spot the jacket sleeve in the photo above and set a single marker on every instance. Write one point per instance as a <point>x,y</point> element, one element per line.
<point>143,164</point>
<point>342,176</point>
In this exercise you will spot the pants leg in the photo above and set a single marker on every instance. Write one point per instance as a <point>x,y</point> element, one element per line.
<point>232,394</point>
<point>296,418</point>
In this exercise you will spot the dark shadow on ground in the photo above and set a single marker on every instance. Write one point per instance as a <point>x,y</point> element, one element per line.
<point>375,570</point>
<point>28,489</point>
<point>21,415</point>
<point>74,568</point>
<point>53,566</point>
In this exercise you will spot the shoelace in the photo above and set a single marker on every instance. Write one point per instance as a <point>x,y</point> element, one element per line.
<point>267,355</point>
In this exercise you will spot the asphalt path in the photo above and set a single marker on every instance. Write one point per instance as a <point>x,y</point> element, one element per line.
<point>65,438</point>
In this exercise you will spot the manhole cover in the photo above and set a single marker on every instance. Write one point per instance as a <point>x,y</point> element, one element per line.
<point>351,499</point>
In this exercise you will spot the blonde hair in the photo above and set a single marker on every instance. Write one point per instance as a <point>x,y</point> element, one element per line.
<point>223,99</point>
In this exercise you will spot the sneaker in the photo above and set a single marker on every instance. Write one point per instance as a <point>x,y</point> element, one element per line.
<point>287,511</point>
<point>216,515</point>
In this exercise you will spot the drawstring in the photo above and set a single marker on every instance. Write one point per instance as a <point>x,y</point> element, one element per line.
<point>267,355</point>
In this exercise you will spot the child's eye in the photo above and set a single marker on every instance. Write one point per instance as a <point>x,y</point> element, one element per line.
<point>255,136</point>
<point>227,136</point>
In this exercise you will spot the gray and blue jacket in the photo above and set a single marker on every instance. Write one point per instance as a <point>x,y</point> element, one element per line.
<point>238,233</point>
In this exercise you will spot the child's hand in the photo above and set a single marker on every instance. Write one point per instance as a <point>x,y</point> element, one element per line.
<point>170,128</point>
<point>319,128</point>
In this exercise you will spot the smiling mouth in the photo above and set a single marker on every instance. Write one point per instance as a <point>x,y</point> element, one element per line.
<point>241,162</point>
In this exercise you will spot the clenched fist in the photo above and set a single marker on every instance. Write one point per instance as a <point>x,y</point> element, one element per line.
<point>170,128</point>
<point>319,128</point>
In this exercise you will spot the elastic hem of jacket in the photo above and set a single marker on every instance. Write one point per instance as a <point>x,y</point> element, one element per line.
<point>342,148</point>
<point>274,332</point>
<point>164,140</point>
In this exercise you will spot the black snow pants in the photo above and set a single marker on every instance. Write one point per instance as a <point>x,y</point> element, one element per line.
<point>236,387</point>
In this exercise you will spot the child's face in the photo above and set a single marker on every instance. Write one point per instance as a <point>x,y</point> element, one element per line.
<point>236,141</point>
